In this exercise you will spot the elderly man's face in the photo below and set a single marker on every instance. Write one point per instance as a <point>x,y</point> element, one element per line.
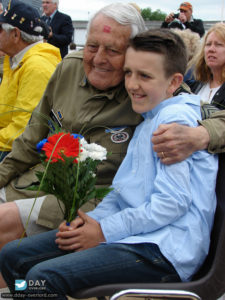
<point>104,52</point>
<point>7,41</point>
<point>48,7</point>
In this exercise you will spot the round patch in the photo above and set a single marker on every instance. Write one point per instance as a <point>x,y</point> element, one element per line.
<point>119,137</point>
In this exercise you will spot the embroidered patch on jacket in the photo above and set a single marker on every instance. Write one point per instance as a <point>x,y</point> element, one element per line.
<point>119,137</point>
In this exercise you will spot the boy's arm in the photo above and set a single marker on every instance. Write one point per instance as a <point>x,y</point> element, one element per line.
<point>85,231</point>
<point>170,200</point>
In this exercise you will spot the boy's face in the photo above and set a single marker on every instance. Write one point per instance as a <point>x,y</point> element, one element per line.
<point>145,79</point>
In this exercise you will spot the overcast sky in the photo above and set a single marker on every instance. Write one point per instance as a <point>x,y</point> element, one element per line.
<point>203,9</point>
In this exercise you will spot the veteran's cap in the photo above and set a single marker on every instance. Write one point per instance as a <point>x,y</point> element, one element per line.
<point>23,16</point>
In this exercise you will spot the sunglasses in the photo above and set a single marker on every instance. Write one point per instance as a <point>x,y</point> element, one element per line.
<point>184,4</point>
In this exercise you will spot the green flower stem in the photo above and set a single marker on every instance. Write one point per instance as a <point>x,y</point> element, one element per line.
<point>75,189</point>
<point>93,127</point>
<point>39,189</point>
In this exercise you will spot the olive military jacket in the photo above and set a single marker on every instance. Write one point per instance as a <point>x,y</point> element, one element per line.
<point>71,102</point>
<point>215,126</point>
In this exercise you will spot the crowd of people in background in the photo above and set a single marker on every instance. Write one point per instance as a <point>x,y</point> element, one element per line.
<point>125,77</point>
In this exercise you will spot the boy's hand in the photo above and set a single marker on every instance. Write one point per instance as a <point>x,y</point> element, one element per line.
<point>74,224</point>
<point>174,143</point>
<point>83,234</point>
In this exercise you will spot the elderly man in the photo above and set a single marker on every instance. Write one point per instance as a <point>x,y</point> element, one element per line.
<point>86,91</point>
<point>184,20</point>
<point>28,65</point>
<point>60,25</point>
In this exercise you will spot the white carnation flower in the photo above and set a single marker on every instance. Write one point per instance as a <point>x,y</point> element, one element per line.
<point>83,155</point>
<point>94,151</point>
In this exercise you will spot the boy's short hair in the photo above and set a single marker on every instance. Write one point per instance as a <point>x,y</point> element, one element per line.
<point>167,43</point>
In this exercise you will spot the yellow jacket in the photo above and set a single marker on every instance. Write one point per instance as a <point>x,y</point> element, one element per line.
<point>22,88</point>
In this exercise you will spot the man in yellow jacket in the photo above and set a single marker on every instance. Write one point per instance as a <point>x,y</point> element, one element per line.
<point>28,66</point>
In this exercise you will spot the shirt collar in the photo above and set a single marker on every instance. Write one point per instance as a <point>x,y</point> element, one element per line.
<point>52,15</point>
<point>182,98</point>
<point>16,59</point>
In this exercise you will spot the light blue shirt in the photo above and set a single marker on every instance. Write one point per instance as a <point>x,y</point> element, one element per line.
<point>172,206</point>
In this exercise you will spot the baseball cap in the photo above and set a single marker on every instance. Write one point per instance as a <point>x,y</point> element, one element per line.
<point>185,6</point>
<point>23,16</point>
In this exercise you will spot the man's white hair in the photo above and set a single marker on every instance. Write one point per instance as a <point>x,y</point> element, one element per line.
<point>124,14</point>
<point>56,1</point>
<point>28,38</point>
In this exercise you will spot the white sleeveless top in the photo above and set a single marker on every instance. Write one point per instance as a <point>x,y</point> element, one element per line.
<point>206,93</point>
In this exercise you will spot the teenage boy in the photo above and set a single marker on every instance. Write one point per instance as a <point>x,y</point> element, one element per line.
<point>155,225</point>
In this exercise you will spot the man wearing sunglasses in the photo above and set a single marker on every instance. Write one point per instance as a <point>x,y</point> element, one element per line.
<point>184,20</point>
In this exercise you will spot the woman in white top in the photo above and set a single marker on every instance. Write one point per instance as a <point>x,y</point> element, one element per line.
<point>210,68</point>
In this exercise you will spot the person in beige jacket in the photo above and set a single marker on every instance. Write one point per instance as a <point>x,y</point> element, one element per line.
<point>85,92</point>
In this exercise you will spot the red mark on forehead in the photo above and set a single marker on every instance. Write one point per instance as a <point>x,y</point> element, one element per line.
<point>106,29</point>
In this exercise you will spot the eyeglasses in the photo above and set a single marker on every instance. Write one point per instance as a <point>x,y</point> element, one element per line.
<point>183,11</point>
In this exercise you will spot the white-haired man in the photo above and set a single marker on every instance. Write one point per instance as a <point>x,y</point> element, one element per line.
<point>28,65</point>
<point>60,25</point>
<point>86,89</point>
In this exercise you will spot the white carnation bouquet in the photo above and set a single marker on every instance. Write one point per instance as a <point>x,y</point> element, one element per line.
<point>70,170</point>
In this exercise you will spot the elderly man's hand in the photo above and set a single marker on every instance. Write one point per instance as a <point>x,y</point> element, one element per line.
<point>83,233</point>
<point>174,143</point>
